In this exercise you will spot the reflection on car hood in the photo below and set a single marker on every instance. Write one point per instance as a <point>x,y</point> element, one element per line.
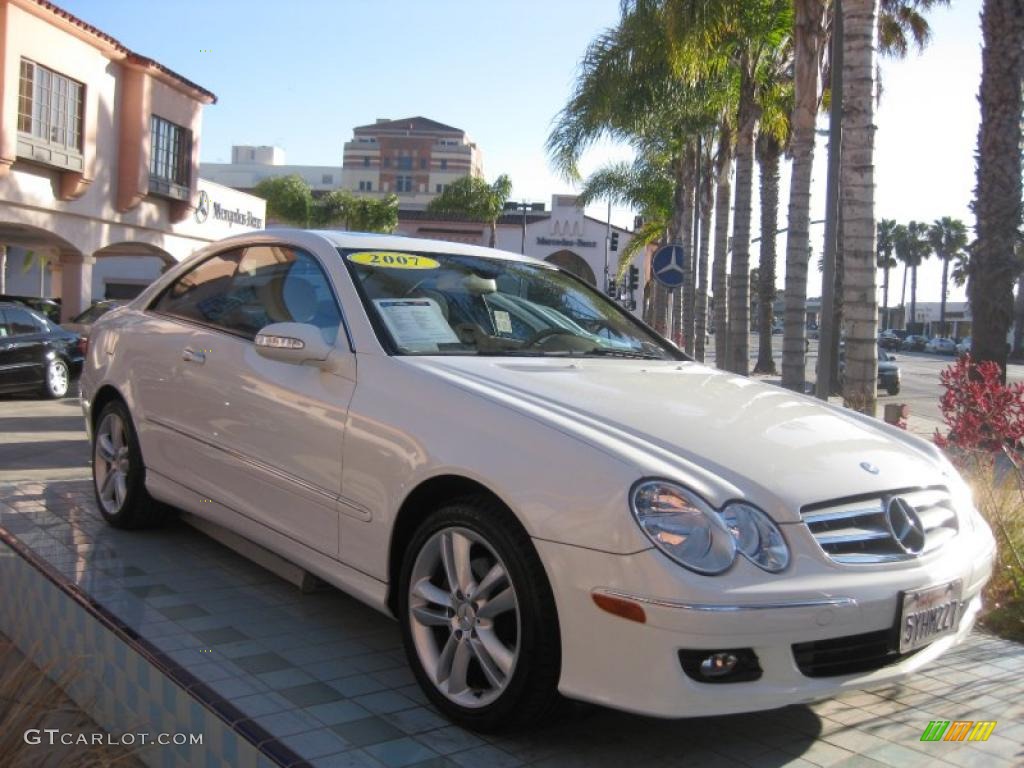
<point>724,435</point>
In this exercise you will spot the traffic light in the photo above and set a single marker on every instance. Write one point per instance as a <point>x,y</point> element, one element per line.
<point>615,241</point>
<point>611,287</point>
<point>634,277</point>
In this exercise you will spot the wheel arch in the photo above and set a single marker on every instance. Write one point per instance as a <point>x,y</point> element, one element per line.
<point>422,500</point>
<point>105,394</point>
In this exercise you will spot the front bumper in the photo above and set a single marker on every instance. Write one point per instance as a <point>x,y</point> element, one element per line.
<point>627,665</point>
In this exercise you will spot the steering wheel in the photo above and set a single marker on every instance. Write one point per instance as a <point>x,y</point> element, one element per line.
<point>545,333</point>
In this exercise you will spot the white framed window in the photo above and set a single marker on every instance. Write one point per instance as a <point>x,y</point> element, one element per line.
<point>50,106</point>
<point>170,158</point>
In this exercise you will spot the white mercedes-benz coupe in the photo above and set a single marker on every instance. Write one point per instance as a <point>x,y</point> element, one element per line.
<point>547,495</point>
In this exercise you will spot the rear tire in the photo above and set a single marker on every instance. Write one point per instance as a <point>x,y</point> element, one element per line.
<point>118,473</point>
<point>485,649</point>
<point>57,379</point>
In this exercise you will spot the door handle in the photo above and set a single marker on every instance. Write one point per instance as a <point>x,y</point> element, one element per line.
<point>189,355</point>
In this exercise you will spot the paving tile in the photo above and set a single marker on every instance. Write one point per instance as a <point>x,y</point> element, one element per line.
<point>316,743</point>
<point>403,752</point>
<point>370,730</point>
<point>486,755</point>
<point>384,702</point>
<point>335,712</point>
<point>311,694</point>
<point>220,635</point>
<point>261,662</point>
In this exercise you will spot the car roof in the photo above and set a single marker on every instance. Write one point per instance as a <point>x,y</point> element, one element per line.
<point>380,242</point>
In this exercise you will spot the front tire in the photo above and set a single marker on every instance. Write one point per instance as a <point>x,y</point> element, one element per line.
<point>57,379</point>
<point>478,618</point>
<point>118,474</point>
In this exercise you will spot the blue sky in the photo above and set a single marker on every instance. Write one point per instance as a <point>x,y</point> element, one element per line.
<point>302,74</point>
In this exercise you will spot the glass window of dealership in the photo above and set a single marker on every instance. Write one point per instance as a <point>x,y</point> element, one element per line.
<point>99,161</point>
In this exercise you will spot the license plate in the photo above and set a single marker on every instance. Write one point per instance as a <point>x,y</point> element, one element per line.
<point>928,614</point>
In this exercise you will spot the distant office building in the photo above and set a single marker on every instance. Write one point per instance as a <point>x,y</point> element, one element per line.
<point>250,165</point>
<point>414,158</point>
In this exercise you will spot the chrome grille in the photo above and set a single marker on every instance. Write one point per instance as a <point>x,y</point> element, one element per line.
<point>857,531</point>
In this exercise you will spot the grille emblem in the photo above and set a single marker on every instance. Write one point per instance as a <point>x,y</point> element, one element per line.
<point>867,466</point>
<point>905,525</point>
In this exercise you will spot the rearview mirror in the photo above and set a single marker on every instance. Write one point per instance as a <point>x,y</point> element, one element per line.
<point>296,343</point>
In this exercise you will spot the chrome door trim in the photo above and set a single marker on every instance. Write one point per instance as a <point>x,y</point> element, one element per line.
<point>825,602</point>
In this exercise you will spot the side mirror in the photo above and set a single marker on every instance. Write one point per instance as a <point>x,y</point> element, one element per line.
<point>296,343</point>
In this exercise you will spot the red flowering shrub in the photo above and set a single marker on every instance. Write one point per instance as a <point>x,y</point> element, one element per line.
<point>981,411</point>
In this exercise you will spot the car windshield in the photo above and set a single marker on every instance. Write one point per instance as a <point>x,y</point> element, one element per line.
<point>93,313</point>
<point>447,304</point>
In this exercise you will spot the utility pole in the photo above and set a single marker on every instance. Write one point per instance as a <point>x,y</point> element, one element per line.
<point>607,244</point>
<point>823,385</point>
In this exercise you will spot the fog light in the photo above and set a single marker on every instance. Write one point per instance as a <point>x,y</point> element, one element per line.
<point>725,665</point>
<point>718,664</point>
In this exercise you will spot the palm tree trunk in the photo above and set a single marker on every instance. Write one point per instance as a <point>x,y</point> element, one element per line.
<point>690,284</point>
<point>997,204</point>
<point>913,297</point>
<point>768,162</point>
<point>806,39</point>
<point>682,233</point>
<point>700,332</point>
<point>903,293</point>
<point>494,232</point>
<point>1018,319</point>
<point>885,295</point>
<point>739,294</point>
<point>3,269</point>
<point>942,303</point>
<point>860,280</point>
<point>720,268</point>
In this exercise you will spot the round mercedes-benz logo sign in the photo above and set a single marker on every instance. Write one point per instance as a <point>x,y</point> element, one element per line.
<point>905,525</point>
<point>202,207</point>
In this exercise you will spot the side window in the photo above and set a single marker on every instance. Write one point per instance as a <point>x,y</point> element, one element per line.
<point>242,291</point>
<point>21,323</point>
<point>4,329</point>
<point>279,284</point>
<point>203,294</point>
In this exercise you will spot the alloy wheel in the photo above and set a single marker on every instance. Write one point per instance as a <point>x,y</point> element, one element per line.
<point>464,617</point>
<point>57,378</point>
<point>111,463</point>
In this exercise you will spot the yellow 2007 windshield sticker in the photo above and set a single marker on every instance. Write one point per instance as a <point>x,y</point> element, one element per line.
<point>393,260</point>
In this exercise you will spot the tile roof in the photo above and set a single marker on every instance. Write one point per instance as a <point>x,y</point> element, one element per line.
<point>130,55</point>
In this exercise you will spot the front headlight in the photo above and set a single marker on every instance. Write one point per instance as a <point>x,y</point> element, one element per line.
<point>687,529</point>
<point>757,536</point>
<point>683,526</point>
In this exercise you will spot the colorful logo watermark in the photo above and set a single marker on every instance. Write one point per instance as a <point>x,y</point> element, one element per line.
<point>958,730</point>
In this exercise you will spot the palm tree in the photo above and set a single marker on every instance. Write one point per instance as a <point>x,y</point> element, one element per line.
<point>912,247</point>
<point>3,268</point>
<point>473,197</point>
<point>720,267</point>
<point>948,239</point>
<point>706,197</point>
<point>769,150</point>
<point>997,197</point>
<point>884,246</point>
<point>807,32</point>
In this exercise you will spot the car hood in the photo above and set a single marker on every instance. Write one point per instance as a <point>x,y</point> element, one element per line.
<point>723,435</point>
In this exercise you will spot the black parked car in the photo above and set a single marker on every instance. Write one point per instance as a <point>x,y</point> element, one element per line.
<point>35,353</point>
<point>48,307</point>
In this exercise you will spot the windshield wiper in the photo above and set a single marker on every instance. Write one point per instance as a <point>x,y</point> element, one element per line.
<point>605,352</point>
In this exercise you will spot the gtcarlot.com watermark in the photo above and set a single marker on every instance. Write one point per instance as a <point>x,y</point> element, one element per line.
<point>54,736</point>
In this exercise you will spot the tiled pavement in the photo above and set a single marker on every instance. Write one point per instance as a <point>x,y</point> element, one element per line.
<point>326,676</point>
